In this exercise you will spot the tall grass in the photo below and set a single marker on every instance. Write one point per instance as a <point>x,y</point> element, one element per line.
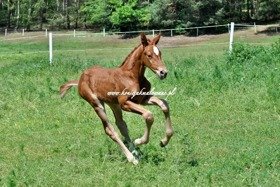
<point>226,116</point>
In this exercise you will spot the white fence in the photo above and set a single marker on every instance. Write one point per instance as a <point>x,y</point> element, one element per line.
<point>194,31</point>
<point>167,32</point>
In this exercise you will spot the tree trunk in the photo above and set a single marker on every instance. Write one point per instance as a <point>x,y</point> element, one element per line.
<point>9,15</point>
<point>28,25</point>
<point>41,19</point>
<point>57,5</point>
<point>255,9</point>
<point>77,4</point>
<point>248,7</point>
<point>18,16</point>
<point>67,14</point>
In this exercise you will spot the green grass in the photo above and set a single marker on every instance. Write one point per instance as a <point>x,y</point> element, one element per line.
<point>226,117</point>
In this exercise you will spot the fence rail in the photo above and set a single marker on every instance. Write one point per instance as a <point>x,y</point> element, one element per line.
<point>47,34</point>
<point>84,33</point>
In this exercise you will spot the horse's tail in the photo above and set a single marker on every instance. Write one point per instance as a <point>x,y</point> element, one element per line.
<point>65,87</point>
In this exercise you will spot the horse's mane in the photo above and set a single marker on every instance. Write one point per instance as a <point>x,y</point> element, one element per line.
<point>128,56</point>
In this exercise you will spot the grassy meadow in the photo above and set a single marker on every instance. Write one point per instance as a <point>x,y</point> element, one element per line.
<point>225,113</point>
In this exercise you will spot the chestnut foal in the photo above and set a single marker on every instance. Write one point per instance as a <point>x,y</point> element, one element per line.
<point>95,84</point>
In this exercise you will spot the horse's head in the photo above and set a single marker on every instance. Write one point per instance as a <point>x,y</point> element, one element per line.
<point>151,56</point>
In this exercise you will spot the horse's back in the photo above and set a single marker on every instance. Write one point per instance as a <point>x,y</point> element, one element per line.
<point>101,81</point>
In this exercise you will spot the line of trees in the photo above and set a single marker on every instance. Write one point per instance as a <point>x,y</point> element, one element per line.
<point>132,14</point>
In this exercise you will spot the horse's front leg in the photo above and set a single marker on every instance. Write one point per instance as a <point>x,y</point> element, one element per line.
<point>98,106</point>
<point>153,100</point>
<point>147,115</point>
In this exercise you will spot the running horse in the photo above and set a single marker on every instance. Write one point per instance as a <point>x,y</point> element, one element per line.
<point>95,83</point>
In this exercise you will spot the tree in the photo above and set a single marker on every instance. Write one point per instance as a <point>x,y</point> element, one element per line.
<point>96,13</point>
<point>25,18</point>
<point>75,12</point>
<point>40,8</point>
<point>205,12</point>
<point>63,13</point>
<point>128,15</point>
<point>4,13</point>
<point>172,13</point>
<point>118,14</point>
<point>133,14</point>
<point>10,7</point>
<point>267,10</point>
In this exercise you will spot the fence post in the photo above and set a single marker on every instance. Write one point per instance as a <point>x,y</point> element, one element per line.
<point>104,32</point>
<point>46,33</point>
<point>22,32</point>
<point>50,47</point>
<point>153,32</point>
<point>6,32</point>
<point>196,31</point>
<point>255,26</point>
<point>74,33</point>
<point>171,34</point>
<point>231,36</point>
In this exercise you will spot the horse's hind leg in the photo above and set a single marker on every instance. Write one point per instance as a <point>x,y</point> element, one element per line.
<point>120,122</point>
<point>168,125</point>
<point>109,129</point>
<point>123,129</point>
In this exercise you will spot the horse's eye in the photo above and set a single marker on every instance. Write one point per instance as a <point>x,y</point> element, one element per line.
<point>149,56</point>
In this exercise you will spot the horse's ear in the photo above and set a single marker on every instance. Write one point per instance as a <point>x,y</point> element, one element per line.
<point>144,39</point>
<point>156,39</point>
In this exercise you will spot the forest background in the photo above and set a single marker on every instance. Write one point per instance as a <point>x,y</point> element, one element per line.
<point>125,15</point>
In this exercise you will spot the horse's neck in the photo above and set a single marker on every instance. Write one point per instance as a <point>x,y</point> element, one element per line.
<point>133,63</point>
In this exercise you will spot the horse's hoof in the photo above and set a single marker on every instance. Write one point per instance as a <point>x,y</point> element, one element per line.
<point>161,144</point>
<point>134,161</point>
<point>138,141</point>
<point>135,153</point>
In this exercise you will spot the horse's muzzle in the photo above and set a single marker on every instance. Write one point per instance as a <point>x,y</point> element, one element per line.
<point>162,74</point>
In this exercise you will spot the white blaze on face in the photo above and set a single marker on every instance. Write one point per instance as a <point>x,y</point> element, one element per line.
<point>156,51</point>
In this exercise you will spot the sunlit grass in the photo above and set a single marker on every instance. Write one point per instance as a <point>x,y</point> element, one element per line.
<point>226,117</point>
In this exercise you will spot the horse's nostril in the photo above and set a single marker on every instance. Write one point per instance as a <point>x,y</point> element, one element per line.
<point>163,73</point>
